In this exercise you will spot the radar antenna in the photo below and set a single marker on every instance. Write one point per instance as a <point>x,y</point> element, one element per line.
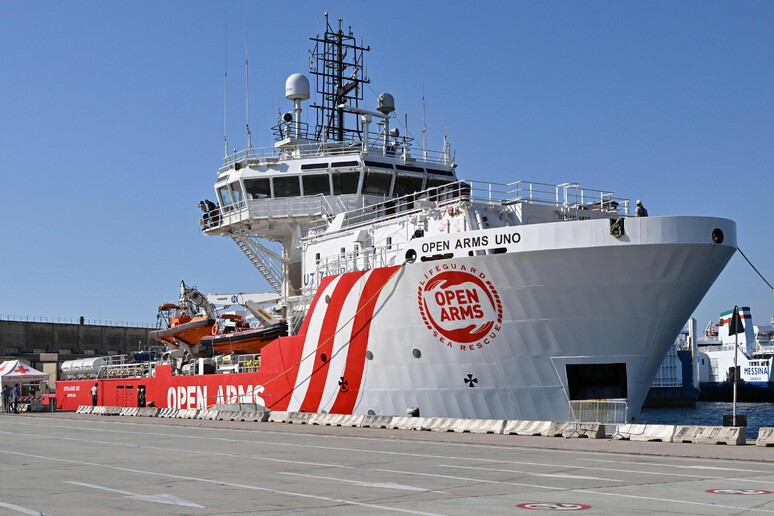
<point>339,69</point>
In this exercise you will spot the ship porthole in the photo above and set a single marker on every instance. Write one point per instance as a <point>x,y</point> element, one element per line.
<point>369,355</point>
<point>371,412</point>
<point>416,353</point>
<point>717,235</point>
<point>327,299</point>
<point>323,357</point>
<point>411,255</point>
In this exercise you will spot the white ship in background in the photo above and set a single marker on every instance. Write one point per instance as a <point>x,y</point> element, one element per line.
<point>406,289</point>
<point>755,359</point>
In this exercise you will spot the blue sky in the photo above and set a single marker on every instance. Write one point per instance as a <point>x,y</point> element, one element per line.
<point>111,125</point>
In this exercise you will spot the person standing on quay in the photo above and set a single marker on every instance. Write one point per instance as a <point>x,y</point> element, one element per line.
<point>6,399</point>
<point>16,399</point>
<point>94,395</point>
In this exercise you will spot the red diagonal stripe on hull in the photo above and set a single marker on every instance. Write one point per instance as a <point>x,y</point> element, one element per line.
<point>358,344</point>
<point>330,324</point>
<point>279,360</point>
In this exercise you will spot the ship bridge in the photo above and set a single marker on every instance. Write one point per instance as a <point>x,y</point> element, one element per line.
<point>301,182</point>
<point>355,161</point>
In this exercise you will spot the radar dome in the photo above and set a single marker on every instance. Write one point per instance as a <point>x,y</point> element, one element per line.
<point>386,104</point>
<point>297,87</point>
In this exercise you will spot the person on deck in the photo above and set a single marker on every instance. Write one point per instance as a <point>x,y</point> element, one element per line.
<point>641,211</point>
<point>212,209</point>
<point>205,214</point>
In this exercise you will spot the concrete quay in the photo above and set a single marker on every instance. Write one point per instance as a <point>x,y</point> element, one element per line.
<point>65,463</point>
<point>746,451</point>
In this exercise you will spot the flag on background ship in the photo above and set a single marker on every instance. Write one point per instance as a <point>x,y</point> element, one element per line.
<point>735,324</point>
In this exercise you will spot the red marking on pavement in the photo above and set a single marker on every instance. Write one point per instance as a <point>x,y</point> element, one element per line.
<point>739,491</point>
<point>553,506</point>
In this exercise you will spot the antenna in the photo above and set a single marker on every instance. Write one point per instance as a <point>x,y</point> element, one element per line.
<point>424,111</point>
<point>405,137</point>
<point>446,148</point>
<point>247,89</point>
<point>225,82</point>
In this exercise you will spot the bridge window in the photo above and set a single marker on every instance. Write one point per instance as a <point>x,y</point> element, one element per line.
<point>345,164</point>
<point>432,183</point>
<point>409,168</point>
<point>316,184</point>
<point>312,166</point>
<point>225,196</point>
<point>377,184</point>
<point>378,164</point>
<point>345,182</point>
<point>405,185</point>
<point>287,186</point>
<point>236,192</point>
<point>257,188</point>
<point>441,172</point>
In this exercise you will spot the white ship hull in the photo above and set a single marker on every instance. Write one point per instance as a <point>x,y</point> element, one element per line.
<point>407,289</point>
<point>584,298</point>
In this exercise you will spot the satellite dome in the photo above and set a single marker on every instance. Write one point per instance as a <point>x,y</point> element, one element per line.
<point>386,104</point>
<point>297,87</point>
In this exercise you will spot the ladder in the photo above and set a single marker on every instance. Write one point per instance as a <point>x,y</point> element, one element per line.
<point>268,263</point>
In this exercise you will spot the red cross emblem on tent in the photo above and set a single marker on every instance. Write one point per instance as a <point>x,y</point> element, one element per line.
<point>21,369</point>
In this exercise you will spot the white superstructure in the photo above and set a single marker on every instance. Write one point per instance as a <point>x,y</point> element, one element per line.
<point>754,357</point>
<point>406,288</point>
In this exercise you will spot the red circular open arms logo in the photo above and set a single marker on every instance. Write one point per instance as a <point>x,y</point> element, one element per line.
<point>460,306</point>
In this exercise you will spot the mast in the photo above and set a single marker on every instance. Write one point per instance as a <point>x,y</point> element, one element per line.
<point>338,66</point>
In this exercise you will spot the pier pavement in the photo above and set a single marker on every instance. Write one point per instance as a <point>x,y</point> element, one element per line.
<point>67,464</point>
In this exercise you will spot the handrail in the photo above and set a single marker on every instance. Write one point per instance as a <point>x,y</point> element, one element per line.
<point>486,193</point>
<point>70,320</point>
<point>319,149</point>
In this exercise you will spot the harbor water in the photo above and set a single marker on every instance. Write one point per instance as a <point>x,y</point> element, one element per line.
<point>711,413</point>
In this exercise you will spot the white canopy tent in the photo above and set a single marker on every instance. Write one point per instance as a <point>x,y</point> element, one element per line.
<point>15,371</point>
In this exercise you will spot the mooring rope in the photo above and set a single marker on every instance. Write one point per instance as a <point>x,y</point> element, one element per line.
<point>756,270</point>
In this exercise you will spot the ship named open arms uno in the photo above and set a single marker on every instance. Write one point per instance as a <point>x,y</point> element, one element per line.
<point>405,288</point>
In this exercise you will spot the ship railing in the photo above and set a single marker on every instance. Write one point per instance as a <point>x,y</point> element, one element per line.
<point>130,370</point>
<point>599,411</point>
<point>565,196</point>
<point>568,195</point>
<point>70,320</point>
<point>360,259</point>
<point>248,363</point>
<point>302,148</point>
<point>277,208</point>
<point>404,205</point>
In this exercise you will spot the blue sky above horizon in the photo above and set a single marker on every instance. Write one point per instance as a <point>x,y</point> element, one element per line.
<point>112,125</point>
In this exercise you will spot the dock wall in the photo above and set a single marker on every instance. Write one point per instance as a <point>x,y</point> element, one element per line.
<point>45,345</point>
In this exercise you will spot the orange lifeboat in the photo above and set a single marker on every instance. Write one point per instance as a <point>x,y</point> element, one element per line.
<point>234,336</point>
<point>182,328</point>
